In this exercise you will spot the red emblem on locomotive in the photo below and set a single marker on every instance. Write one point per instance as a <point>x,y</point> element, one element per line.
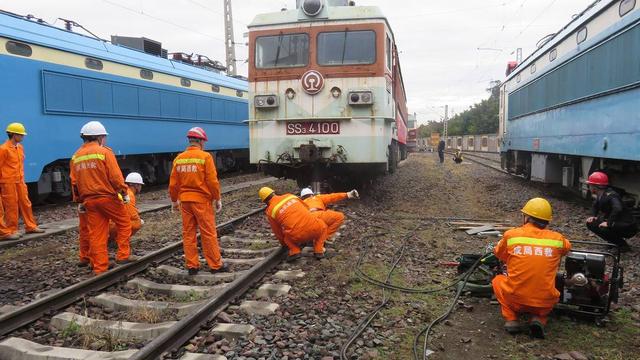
<point>312,82</point>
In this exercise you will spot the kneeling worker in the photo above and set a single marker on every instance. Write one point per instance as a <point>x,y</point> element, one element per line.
<point>134,182</point>
<point>293,224</point>
<point>611,220</point>
<point>194,188</point>
<point>532,255</point>
<point>318,206</point>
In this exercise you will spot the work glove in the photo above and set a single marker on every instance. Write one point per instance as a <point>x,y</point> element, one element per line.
<point>353,194</point>
<point>141,222</point>
<point>81,209</point>
<point>126,199</point>
<point>175,206</point>
<point>218,206</point>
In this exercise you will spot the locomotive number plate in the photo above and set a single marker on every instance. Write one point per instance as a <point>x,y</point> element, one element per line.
<point>313,128</point>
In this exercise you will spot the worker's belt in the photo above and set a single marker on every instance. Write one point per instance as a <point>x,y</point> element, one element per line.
<point>274,212</point>
<point>522,240</point>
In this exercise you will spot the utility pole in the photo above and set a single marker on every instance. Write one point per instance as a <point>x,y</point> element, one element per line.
<point>228,37</point>
<point>446,120</point>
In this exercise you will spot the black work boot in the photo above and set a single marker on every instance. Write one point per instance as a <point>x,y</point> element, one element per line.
<point>293,257</point>
<point>223,268</point>
<point>193,271</point>
<point>536,329</point>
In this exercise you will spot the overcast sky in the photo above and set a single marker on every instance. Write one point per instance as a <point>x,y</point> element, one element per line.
<point>450,50</point>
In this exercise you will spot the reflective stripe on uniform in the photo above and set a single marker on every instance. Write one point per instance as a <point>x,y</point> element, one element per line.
<point>534,241</point>
<point>189,161</point>
<point>77,159</point>
<point>280,204</point>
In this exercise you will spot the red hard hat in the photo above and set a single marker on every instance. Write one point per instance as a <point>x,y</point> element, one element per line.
<point>197,133</point>
<point>598,178</point>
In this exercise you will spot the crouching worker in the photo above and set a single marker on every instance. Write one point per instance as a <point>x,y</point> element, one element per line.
<point>134,183</point>
<point>611,220</point>
<point>532,255</point>
<point>318,206</point>
<point>457,157</point>
<point>293,224</point>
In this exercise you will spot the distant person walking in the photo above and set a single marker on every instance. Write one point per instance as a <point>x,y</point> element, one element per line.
<point>441,146</point>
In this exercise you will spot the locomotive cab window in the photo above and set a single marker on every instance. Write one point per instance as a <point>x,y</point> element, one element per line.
<point>17,48</point>
<point>282,51</point>
<point>553,54</point>
<point>389,65</point>
<point>626,6</point>
<point>347,48</point>
<point>146,74</point>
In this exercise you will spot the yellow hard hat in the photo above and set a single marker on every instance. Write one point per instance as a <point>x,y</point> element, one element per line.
<point>538,208</point>
<point>265,192</point>
<point>16,128</point>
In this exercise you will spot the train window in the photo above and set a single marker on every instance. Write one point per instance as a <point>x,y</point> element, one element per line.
<point>470,143</point>
<point>459,142</point>
<point>449,142</point>
<point>239,93</point>
<point>581,36</point>
<point>626,6</point>
<point>485,142</point>
<point>553,55</point>
<point>17,48</point>
<point>347,47</point>
<point>389,65</point>
<point>281,51</point>
<point>533,69</point>
<point>215,88</point>
<point>185,82</point>
<point>94,64</point>
<point>146,74</point>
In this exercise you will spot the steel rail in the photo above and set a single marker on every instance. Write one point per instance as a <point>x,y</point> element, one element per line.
<point>189,326</point>
<point>35,309</point>
<point>5,244</point>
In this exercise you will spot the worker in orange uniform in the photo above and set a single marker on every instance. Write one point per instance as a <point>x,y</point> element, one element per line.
<point>134,183</point>
<point>15,196</point>
<point>293,224</point>
<point>96,182</point>
<point>194,188</point>
<point>318,206</point>
<point>532,254</point>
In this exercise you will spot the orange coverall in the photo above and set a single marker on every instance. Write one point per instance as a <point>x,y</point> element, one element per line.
<point>318,206</point>
<point>194,181</point>
<point>532,256</point>
<point>136,224</point>
<point>294,225</point>
<point>96,181</point>
<point>15,196</point>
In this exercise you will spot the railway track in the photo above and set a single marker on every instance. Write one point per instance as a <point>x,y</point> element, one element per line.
<point>251,256</point>
<point>61,226</point>
<point>483,161</point>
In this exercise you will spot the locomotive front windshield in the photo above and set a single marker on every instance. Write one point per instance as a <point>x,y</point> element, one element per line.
<point>347,48</point>
<point>282,51</point>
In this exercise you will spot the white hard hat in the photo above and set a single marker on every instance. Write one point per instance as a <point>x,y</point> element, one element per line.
<point>134,178</point>
<point>93,128</point>
<point>305,192</point>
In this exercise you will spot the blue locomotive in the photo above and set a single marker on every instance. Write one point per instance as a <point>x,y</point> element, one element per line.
<point>573,106</point>
<point>54,80</point>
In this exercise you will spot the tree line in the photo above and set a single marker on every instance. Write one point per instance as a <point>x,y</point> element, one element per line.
<point>481,118</point>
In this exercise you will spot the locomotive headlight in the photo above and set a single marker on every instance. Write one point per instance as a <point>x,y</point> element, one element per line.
<point>266,101</point>
<point>336,92</point>
<point>360,98</point>
<point>312,7</point>
<point>291,94</point>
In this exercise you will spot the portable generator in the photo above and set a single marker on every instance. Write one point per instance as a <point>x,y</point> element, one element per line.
<point>590,282</point>
<point>585,286</point>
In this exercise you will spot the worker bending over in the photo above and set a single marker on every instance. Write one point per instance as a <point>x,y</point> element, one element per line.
<point>96,182</point>
<point>611,220</point>
<point>293,224</point>
<point>318,206</point>
<point>15,196</point>
<point>457,157</point>
<point>134,183</point>
<point>194,188</point>
<point>532,255</point>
